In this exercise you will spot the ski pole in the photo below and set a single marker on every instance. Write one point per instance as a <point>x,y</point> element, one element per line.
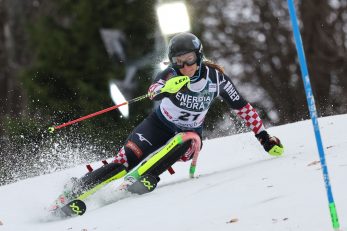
<point>313,113</point>
<point>53,128</point>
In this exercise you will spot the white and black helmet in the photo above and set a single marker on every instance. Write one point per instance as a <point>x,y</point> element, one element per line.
<point>184,43</point>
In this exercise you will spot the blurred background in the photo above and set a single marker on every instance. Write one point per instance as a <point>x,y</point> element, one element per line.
<point>59,60</point>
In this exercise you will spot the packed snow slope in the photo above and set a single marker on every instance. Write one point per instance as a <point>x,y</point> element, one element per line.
<point>238,187</point>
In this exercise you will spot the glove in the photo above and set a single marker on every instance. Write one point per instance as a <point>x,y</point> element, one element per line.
<point>271,144</point>
<point>154,90</point>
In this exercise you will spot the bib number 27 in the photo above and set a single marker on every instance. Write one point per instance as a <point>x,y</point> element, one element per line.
<point>185,116</point>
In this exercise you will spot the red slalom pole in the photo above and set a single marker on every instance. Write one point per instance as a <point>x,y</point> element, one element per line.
<point>53,128</point>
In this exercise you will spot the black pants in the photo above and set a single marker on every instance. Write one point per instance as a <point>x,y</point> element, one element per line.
<point>150,135</point>
<point>147,137</point>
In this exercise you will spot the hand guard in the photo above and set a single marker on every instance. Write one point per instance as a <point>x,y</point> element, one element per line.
<point>171,86</point>
<point>175,84</point>
<point>271,144</point>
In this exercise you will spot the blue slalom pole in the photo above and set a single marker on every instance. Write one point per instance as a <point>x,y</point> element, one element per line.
<point>313,112</point>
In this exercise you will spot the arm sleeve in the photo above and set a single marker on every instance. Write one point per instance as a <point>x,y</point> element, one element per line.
<point>242,108</point>
<point>159,83</point>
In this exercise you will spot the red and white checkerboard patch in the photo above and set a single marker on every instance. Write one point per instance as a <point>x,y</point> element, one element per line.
<point>121,158</point>
<point>250,115</point>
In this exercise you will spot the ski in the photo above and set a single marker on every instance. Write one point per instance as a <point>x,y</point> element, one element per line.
<point>143,179</point>
<point>73,208</point>
<point>144,184</point>
<point>77,207</point>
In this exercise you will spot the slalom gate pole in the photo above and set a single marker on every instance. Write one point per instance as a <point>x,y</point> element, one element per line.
<point>53,128</point>
<point>313,112</point>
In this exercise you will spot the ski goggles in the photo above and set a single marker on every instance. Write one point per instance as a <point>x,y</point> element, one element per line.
<point>188,59</point>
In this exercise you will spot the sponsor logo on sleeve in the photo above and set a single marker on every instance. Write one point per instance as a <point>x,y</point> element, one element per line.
<point>230,89</point>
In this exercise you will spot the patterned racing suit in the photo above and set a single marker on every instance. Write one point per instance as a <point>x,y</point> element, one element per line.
<point>184,111</point>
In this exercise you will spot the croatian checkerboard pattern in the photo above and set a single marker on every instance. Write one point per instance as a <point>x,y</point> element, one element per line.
<point>250,115</point>
<point>121,158</point>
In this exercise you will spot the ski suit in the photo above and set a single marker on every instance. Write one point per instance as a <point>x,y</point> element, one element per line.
<point>184,111</point>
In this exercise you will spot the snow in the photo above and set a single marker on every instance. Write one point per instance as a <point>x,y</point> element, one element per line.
<point>237,181</point>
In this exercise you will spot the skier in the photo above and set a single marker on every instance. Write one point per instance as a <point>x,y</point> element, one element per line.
<point>184,109</point>
<point>186,89</point>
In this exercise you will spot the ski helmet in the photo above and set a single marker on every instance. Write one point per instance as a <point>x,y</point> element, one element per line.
<point>184,43</point>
